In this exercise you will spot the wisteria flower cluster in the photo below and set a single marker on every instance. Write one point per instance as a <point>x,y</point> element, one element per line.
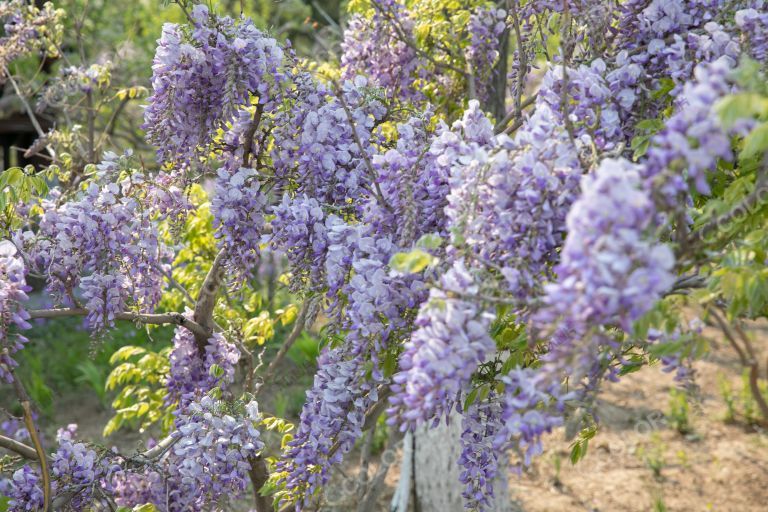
<point>479,459</point>
<point>193,373</point>
<point>374,47</point>
<point>201,77</point>
<point>75,469</point>
<point>13,292</point>
<point>238,209</point>
<point>450,341</point>
<point>536,224</point>
<point>611,270</point>
<point>106,244</point>
<point>486,26</point>
<point>753,23</point>
<point>28,28</point>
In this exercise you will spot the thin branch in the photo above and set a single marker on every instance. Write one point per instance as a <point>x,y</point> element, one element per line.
<point>748,360</point>
<point>249,133</point>
<point>19,448</point>
<point>409,42</point>
<point>29,422</point>
<point>28,108</point>
<point>368,164</point>
<point>368,500</point>
<point>685,283</point>
<point>298,328</point>
<point>144,318</point>
<point>516,113</point>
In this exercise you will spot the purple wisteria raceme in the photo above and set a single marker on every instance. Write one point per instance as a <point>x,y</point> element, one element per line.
<point>611,270</point>
<point>753,23</point>
<point>375,48</point>
<point>508,198</point>
<point>191,373</point>
<point>28,28</point>
<point>333,413</point>
<point>532,405</point>
<point>201,76</point>
<point>481,423</point>
<point>24,490</point>
<point>323,153</point>
<point>211,459</point>
<point>238,208</point>
<point>105,243</point>
<point>13,316</point>
<point>692,140</point>
<point>299,231</point>
<point>595,113</point>
<point>375,303</point>
<point>413,186</point>
<point>208,465</point>
<point>78,469</point>
<point>450,341</point>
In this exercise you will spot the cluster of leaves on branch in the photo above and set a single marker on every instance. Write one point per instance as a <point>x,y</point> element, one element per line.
<point>496,208</point>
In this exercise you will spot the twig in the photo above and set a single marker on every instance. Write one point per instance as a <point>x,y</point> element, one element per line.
<point>513,114</point>
<point>249,133</point>
<point>298,328</point>
<point>748,360</point>
<point>19,448</point>
<point>29,422</point>
<point>144,318</point>
<point>368,500</point>
<point>408,42</point>
<point>30,112</point>
<point>364,154</point>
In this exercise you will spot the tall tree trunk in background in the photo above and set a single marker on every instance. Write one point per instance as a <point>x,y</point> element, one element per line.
<point>495,103</point>
<point>430,474</point>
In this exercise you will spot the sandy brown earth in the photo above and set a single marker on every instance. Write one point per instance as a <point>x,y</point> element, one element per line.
<point>719,465</point>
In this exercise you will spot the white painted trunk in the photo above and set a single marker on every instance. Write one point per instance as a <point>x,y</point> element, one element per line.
<point>432,467</point>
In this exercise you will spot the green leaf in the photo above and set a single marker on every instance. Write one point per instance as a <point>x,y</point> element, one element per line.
<point>216,371</point>
<point>411,262</point>
<point>741,106</point>
<point>640,145</point>
<point>125,353</point>
<point>756,142</point>
<point>665,87</point>
<point>430,241</point>
<point>652,125</point>
<point>12,177</point>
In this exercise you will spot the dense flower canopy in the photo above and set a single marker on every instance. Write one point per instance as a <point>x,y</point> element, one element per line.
<point>423,225</point>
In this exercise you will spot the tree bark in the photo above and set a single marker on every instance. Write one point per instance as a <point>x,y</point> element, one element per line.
<point>435,474</point>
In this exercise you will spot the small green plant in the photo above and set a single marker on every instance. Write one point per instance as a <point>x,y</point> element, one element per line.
<point>726,390</point>
<point>658,504</point>
<point>95,377</point>
<point>653,455</point>
<point>679,411</point>
<point>749,407</point>
<point>557,461</point>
